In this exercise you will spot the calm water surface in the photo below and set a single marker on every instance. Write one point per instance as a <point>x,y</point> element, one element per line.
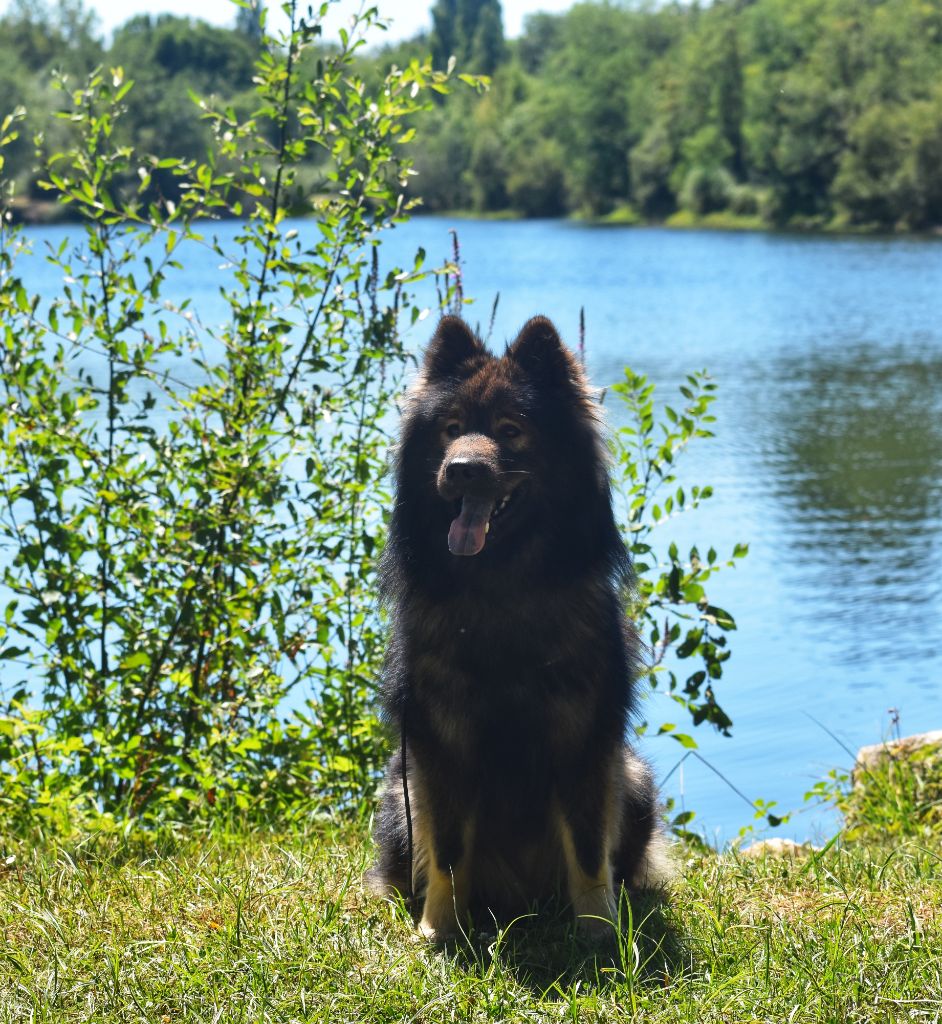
<point>827,462</point>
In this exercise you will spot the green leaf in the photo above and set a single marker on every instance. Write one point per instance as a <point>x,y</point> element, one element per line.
<point>135,660</point>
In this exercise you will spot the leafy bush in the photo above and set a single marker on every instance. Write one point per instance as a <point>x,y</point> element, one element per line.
<point>706,190</point>
<point>746,201</point>
<point>671,605</point>
<point>189,530</point>
<point>646,452</point>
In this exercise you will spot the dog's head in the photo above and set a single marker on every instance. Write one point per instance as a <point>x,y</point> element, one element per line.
<point>504,440</point>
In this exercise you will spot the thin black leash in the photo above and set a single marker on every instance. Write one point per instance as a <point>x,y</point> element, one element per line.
<point>405,800</point>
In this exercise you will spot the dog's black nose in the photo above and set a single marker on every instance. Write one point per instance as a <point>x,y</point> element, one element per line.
<point>460,471</point>
<point>471,466</point>
<point>466,475</point>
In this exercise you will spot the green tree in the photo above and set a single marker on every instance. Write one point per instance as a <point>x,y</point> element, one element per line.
<point>706,190</point>
<point>641,100</point>
<point>487,173</point>
<point>37,42</point>
<point>443,151</point>
<point>871,182</point>
<point>924,160</point>
<point>536,184</point>
<point>652,161</point>
<point>61,35</point>
<point>586,83</point>
<point>541,36</point>
<point>172,58</point>
<point>728,97</point>
<point>250,21</point>
<point>471,31</point>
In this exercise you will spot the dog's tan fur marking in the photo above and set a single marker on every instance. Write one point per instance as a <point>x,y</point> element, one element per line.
<point>447,894</point>
<point>592,896</point>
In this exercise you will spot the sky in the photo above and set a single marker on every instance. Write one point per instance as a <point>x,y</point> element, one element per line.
<point>407,17</point>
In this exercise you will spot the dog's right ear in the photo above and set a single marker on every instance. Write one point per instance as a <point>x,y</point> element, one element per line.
<point>452,345</point>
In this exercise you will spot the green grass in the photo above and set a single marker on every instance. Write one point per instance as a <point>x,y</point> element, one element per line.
<point>460,214</point>
<point>898,797</point>
<point>259,927</point>
<point>722,220</point>
<point>623,214</point>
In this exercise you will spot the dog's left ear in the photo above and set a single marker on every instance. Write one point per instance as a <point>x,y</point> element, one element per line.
<point>539,351</point>
<point>452,345</point>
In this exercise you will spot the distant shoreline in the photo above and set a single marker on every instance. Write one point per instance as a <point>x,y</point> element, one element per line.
<point>46,212</point>
<point>684,221</point>
<point>40,212</point>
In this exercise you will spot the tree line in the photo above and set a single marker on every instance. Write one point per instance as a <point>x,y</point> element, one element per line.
<point>809,113</point>
<point>803,113</point>
<point>47,50</point>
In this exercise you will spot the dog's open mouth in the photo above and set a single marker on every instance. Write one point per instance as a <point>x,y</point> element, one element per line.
<point>476,516</point>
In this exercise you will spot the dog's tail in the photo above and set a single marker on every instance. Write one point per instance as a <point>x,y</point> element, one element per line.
<point>643,858</point>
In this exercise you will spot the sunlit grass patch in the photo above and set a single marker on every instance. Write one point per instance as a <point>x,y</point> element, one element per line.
<point>265,927</point>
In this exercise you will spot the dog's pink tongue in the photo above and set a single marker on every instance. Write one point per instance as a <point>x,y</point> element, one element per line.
<point>468,530</point>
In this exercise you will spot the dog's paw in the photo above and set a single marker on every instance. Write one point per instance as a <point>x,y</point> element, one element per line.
<point>596,929</point>
<point>596,914</point>
<point>437,934</point>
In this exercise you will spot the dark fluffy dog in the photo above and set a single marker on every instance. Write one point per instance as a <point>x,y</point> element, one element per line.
<point>510,666</point>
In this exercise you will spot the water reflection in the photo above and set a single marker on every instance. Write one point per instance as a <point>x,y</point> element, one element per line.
<point>854,467</point>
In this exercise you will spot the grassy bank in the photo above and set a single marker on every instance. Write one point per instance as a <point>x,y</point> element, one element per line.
<point>275,928</point>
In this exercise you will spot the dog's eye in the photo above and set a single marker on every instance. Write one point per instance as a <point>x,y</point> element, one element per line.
<point>453,429</point>
<point>508,431</point>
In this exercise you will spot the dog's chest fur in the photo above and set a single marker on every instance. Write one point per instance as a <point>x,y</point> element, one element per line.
<point>528,687</point>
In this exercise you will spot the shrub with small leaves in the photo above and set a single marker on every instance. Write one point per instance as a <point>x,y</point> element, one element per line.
<point>671,606</point>
<point>189,514</point>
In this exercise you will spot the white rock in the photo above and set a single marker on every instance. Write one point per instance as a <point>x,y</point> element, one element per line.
<point>870,756</point>
<point>778,847</point>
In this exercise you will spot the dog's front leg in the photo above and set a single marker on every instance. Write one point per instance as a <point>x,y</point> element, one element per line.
<point>584,826</point>
<point>448,871</point>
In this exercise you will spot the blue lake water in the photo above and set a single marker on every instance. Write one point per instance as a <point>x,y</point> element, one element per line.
<point>827,461</point>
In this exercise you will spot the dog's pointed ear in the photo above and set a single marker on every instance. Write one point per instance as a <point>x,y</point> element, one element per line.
<point>452,345</point>
<point>539,351</point>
